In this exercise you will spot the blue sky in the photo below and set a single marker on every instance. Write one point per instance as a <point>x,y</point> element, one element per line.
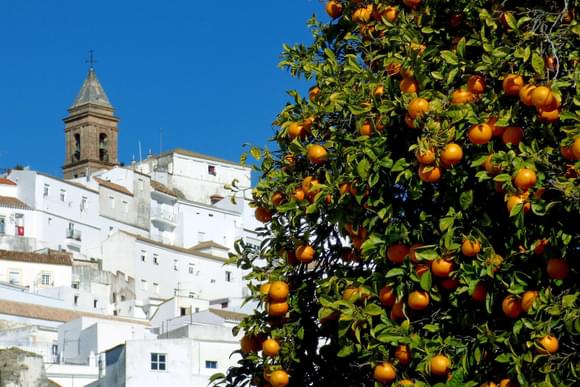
<point>203,71</point>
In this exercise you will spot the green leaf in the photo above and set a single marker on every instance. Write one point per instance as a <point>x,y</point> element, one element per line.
<point>396,272</point>
<point>362,168</point>
<point>504,358</point>
<point>466,199</point>
<point>426,281</point>
<point>445,223</point>
<point>373,310</point>
<point>449,57</point>
<point>345,351</point>
<point>256,153</point>
<point>538,63</point>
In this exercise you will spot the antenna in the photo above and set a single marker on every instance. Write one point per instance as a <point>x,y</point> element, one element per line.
<point>140,153</point>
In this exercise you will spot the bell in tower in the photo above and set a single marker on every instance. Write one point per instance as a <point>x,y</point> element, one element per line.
<point>91,131</point>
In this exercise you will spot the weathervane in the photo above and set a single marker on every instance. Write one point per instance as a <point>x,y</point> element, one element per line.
<point>91,59</point>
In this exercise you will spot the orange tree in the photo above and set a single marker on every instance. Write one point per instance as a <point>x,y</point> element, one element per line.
<point>421,211</point>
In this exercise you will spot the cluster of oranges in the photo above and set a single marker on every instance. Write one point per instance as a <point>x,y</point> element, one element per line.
<point>277,296</point>
<point>541,97</point>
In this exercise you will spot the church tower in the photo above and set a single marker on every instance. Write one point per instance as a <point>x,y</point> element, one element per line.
<point>90,131</point>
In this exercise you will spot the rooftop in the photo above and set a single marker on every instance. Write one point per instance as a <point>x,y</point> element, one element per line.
<point>228,315</point>
<point>113,186</point>
<point>208,244</point>
<point>91,92</point>
<point>50,258</point>
<point>6,181</point>
<point>157,186</point>
<point>10,202</point>
<point>185,152</point>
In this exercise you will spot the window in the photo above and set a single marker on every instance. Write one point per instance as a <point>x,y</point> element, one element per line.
<point>45,279</point>
<point>103,147</point>
<point>143,256</point>
<point>182,311</point>
<point>2,225</point>
<point>14,277</point>
<point>45,191</point>
<point>175,265</point>
<point>158,361</point>
<point>62,195</point>
<point>228,276</point>
<point>191,268</point>
<point>76,284</point>
<point>84,203</point>
<point>210,364</point>
<point>211,170</point>
<point>141,184</point>
<point>156,287</point>
<point>76,299</point>
<point>144,284</point>
<point>212,281</point>
<point>125,207</point>
<point>95,302</point>
<point>155,259</point>
<point>77,153</point>
<point>112,202</point>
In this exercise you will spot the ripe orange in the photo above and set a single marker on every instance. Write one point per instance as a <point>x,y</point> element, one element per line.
<point>305,253</point>
<point>379,91</point>
<point>491,168</point>
<point>247,344</point>
<point>461,96</point>
<point>409,121</point>
<point>299,194</point>
<point>450,283</point>
<point>557,268</point>
<point>387,296</point>
<point>385,373</point>
<point>440,365</point>
<point>390,13</point>
<point>317,154</point>
<point>403,354</point>
<point>429,174</point>
<point>396,253</point>
<point>409,85</point>
<point>480,134</point>
<point>525,179</point>
<point>279,378</point>
<point>508,383</point>
<point>307,123</point>
<point>362,15</point>
<point>512,84</point>
<point>421,269</point>
<point>528,299</point>
<point>496,131</point>
<point>512,135</point>
<point>451,155</point>
<point>441,267</point>
<point>488,384</point>
<point>548,116</point>
<point>525,94</point>
<point>412,3</point>
<point>279,291</point>
<point>418,300</point>
<point>479,292</point>
<point>333,9</point>
<point>277,309</point>
<point>540,246</point>
<point>313,93</point>
<point>308,182</point>
<point>550,344</point>
<point>576,148</point>
<point>350,292</point>
<point>412,253</point>
<point>542,97</point>
<point>277,198</point>
<point>263,214</point>
<point>397,311</point>
<point>426,156</point>
<point>366,129</point>
<point>470,248</point>
<point>265,288</point>
<point>514,200</point>
<point>270,347</point>
<point>417,107</point>
<point>511,306</point>
<point>476,84</point>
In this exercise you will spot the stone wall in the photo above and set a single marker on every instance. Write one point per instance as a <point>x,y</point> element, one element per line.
<point>19,368</point>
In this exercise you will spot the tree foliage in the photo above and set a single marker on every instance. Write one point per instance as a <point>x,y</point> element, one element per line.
<point>422,203</point>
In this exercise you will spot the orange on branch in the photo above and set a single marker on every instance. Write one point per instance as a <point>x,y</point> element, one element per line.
<point>461,96</point>
<point>525,94</point>
<point>418,300</point>
<point>476,84</point>
<point>403,354</point>
<point>277,309</point>
<point>525,179</point>
<point>480,134</point>
<point>396,253</point>
<point>409,85</point>
<point>512,135</point>
<point>542,97</point>
<point>511,307</point>
<point>451,155</point>
<point>279,378</point>
<point>429,173</point>
<point>528,299</point>
<point>440,365</point>
<point>470,248</point>
<point>418,107</point>
<point>278,291</point>
<point>317,154</point>
<point>333,9</point>
<point>479,292</point>
<point>305,253</point>
<point>270,348</point>
<point>549,344</point>
<point>263,214</point>
<point>442,267</point>
<point>557,268</point>
<point>385,373</point>
<point>512,84</point>
<point>387,296</point>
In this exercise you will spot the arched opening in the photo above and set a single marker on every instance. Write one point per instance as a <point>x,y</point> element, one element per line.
<point>77,151</point>
<point>103,147</point>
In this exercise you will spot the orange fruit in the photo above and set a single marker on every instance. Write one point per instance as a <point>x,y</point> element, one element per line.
<point>389,13</point>
<point>406,382</point>
<point>397,311</point>
<point>349,293</point>
<point>512,135</point>
<point>557,268</point>
<point>265,288</point>
<point>512,84</point>
<point>308,182</point>
<point>409,121</point>
<point>362,15</point>
<point>295,130</point>
<point>461,96</point>
<point>508,383</point>
<point>366,129</point>
<point>277,198</point>
<point>451,155</point>
<point>387,296</point>
<point>313,93</point>
<point>440,365</point>
<point>429,174</point>
<point>496,131</point>
<point>289,161</point>
<point>479,292</point>
<point>277,309</point>
<point>542,97</point>
<point>476,84</point>
<point>525,179</point>
<point>299,194</point>
<point>279,291</point>
<point>470,248</point>
<point>421,269</point>
<point>514,200</point>
<point>279,378</point>
<point>412,3</point>
<point>263,215</point>
<point>525,94</point>
<point>488,384</point>
<point>396,253</point>
<point>409,85</point>
<point>403,354</point>
<point>333,9</point>
<point>450,283</point>
<point>412,253</point>
<point>317,154</point>
<point>384,373</point>
<point>426,156</point>
<point>305,253</point>
<point>379,91</point>
<point>480,134</point>
<point>441,267</point>
<point>418,300</point>
<point>528,299</point>
<point>270,347</point>
<point>511,306</point>
<point>247,344</point>
<point>549,344</point>
<point>548,116</point>
<point>576,148</point>
<point>291,258</point>
<point>491,168</point>
<point>540,246</point>
<point>417,107</point>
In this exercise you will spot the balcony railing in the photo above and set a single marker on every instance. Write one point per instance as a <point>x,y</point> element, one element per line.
<point>163,215</point>
<point>74,234</point>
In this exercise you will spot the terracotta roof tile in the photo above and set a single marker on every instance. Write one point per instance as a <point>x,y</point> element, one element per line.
<point>10,202</point>
<point>49,313</point>
<point>50,258</point>
<point>208,244</point>
<point>157,186</point>
<point>113,186</point>
<point>6,181</point>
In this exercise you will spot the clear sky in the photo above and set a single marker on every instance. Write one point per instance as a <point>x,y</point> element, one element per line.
<point>203,71</point>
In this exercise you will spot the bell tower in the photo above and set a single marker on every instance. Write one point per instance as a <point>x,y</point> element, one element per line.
<point>90,131</point>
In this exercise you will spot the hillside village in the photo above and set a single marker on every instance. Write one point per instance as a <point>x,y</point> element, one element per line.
<point>115,274</point>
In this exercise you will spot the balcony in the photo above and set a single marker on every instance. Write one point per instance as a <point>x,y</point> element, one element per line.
<point>18,243</point>
<point>74,235</point>
<point>163,216</point>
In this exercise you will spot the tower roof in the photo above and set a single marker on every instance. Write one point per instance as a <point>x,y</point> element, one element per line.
<point>91,92</point>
